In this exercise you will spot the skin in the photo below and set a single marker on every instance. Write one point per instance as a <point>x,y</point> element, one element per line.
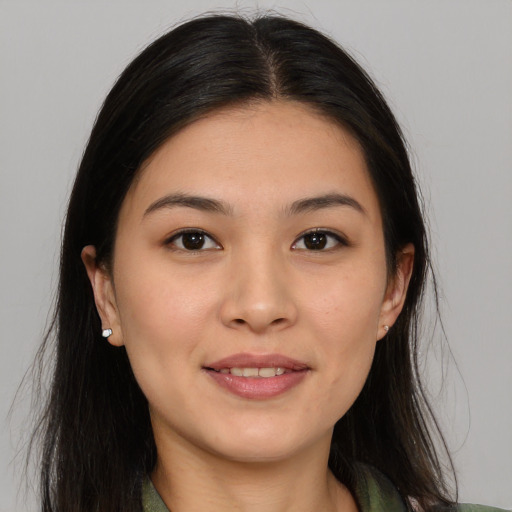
<point>254,288</point>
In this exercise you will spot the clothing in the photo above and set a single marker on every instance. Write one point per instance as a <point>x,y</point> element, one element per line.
<point>373,493</point>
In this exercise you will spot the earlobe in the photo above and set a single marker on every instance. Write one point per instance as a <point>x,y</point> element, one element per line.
<point>104,295</point>
<point>396,291</point>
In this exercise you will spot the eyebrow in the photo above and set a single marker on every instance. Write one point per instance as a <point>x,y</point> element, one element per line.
<point>308,204</point>
<point>197,202</point>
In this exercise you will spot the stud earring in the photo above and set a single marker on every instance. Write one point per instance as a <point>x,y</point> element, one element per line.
<point>106,333</point>
<point>386,328</point>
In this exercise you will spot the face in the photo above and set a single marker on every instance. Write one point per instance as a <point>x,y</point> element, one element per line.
<point>249,282</point>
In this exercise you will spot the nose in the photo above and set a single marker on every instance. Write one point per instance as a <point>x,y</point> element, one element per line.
<point>258,296</point>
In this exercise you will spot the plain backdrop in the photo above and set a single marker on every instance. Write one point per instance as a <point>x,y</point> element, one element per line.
<point>446,69</point>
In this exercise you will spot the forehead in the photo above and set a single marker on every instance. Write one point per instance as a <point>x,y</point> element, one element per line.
<point>257,156</point>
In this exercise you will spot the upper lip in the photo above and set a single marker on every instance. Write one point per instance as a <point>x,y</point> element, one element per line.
<point>245,360</point>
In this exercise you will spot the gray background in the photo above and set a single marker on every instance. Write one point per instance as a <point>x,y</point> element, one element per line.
<point>446,68</point>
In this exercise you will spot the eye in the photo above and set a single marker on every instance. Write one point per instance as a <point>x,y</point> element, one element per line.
<point>319,240</point>
<point>192,240</point>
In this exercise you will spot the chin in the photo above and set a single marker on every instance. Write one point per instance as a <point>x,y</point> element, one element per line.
<point>261,445</point>
<point>256,452</point>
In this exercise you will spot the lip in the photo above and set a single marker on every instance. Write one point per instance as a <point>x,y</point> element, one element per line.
<point>246,360</point>
<point>257,388</point>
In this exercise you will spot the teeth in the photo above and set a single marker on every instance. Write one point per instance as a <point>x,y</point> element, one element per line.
<point>254,372</point>
<point>267,372</point>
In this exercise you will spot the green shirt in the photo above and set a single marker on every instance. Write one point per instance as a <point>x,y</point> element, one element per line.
<point>373,493</point>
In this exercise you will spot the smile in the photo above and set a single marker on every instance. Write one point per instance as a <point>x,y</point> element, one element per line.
<point>264,373</point>
<point>257,377</point>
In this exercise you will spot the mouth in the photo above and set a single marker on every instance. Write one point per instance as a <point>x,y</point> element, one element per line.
<point>247,361</point>
<point>255,376</point>
<point>261,373</point>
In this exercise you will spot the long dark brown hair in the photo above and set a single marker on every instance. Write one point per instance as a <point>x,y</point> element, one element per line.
<point>97,442</point>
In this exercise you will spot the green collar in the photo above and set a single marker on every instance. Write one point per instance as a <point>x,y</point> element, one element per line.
<point>373,493</point>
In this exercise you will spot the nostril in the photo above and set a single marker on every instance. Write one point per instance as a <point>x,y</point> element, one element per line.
<point>258,323</point>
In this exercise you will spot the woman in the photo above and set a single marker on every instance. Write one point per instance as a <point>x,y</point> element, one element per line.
<point>242,271</point>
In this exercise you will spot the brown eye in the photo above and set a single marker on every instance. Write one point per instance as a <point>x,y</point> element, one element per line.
<point>315,241</point>
<point>193,241</point>
<point>319,241</point>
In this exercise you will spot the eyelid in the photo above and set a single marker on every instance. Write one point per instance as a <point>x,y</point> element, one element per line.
<point>340,238</point>
<point>171,238</point>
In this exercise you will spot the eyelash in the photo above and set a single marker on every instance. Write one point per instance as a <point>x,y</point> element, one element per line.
<point>172,240</point>
<point>340,241</point>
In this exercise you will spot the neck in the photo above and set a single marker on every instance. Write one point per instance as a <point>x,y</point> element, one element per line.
<point>189,479</point>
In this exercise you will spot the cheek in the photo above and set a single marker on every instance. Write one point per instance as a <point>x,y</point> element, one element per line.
<point>348,306</point>
<point>163,320</point>
<point>156,298</point>
<point>345,318</point>
<point>162,316</point>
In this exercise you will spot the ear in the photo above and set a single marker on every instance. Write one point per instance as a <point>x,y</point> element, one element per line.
<point>104,296</point>
<point>396,290</point>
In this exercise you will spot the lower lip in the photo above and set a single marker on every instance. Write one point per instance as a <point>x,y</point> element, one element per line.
<point>258,388</point>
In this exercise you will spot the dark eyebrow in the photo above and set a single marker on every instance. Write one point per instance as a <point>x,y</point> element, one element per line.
<point>206,204</point>
<point>197,202</point>
<point>310,204</point>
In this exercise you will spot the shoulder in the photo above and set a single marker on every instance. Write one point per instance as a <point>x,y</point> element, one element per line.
<point>467,507</point>
<point>151,500</point>
<point>375,492</point>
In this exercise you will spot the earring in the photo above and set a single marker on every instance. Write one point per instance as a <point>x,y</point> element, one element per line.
<point>386,328</point>
<point>106,333</point>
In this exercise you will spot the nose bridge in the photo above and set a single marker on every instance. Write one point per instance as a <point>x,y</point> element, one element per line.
<point>259,295</point>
